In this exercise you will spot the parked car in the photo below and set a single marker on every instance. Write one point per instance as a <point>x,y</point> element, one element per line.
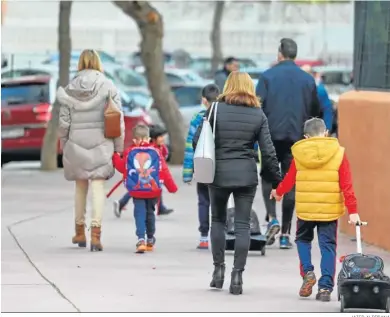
<point>178,76</point>
<point>202,65</point>
<point>135,59</point>
<point>188,98</point>
<point>126,77</point>
<point>254,72</point>
<point>75,55</point>
<point>26,104</point>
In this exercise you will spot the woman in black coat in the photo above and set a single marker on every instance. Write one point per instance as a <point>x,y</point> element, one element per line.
<point>240,123</point>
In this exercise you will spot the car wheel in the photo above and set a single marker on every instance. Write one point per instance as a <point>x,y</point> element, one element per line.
<point>5,159</point>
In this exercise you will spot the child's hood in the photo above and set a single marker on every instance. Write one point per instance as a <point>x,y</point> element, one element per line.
<point>315,152</point>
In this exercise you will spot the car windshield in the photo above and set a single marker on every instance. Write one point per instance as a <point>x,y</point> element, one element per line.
<point>188,96</point>
<point>128,77</point>
<point>193,77</point>
<point>24,93</point>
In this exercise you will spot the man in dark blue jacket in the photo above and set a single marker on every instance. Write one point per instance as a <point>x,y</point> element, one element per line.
<point>289,97</point>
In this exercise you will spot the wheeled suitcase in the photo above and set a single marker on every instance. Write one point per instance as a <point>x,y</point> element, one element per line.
<point>257,240</point>
<point>362,284</point>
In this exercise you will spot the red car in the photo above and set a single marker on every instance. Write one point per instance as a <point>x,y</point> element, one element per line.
<point>26,104</point>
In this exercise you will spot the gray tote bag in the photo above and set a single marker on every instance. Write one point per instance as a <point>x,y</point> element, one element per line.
<point>204,156</point>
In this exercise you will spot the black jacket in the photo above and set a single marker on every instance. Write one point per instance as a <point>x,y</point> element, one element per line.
<point>289,98</point>
<point>238,128</point>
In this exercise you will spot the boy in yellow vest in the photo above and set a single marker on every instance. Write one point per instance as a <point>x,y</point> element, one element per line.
<point>320,170</point>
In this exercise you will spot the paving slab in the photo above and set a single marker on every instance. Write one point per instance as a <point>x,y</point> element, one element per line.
<point>173,278</point>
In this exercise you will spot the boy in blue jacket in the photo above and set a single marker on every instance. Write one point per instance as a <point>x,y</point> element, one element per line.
<point>209,95</point>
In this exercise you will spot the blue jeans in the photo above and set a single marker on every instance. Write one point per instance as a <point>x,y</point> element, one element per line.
<point>124,201</point>
<point>145,219</point>
<point>327,239</point>
<point>203,209</point>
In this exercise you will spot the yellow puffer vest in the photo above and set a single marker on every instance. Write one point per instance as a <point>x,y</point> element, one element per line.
<point>318,194</point>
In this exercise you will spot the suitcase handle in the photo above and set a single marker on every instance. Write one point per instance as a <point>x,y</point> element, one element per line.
<point>358,235</point>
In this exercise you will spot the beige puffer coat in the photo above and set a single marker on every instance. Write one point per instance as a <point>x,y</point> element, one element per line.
<point>87,154</point>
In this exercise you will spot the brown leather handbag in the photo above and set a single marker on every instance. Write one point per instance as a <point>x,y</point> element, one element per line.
<point>112,119</point>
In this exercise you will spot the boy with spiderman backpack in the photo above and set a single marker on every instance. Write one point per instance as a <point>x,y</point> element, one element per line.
<point>157,134</point>
<point>144,171</point>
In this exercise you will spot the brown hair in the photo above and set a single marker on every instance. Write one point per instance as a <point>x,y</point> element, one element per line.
<point>89,59</point>
<point>239,89</point>
<point>141,132</point>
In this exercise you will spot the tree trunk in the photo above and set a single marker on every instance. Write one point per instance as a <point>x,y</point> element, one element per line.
<point>215,36</point>
<point>151,27</point>
<point>50,141</point>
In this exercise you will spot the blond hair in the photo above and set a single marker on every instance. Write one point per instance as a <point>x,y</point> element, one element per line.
<point>239,89</point>
<point>89,59</point>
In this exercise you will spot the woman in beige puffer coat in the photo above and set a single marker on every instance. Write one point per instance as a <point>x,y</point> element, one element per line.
<point>87,154</point>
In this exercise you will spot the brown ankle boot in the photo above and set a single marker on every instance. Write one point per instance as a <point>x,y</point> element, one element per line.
<point>95,239</point>
<point>80,237</point>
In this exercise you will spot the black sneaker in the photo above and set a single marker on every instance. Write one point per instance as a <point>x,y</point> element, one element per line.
<point>164,212</point>
<point>323,295</point>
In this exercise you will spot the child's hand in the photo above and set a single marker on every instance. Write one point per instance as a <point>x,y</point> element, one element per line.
<point>275,195</point>
<point>354,218</point>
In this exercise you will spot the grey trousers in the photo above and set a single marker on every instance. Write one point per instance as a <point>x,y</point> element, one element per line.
<point>243,200</point>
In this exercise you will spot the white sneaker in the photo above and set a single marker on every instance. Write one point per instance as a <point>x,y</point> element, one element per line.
<point>117,211</point>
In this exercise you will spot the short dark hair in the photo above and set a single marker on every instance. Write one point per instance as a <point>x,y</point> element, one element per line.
<point>156,131</point>
<point>230,60</point>
<point>314,127</point>
<point>288,48</point>
<point>210,92</point>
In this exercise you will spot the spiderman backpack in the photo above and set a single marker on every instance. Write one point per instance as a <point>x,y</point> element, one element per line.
<point>142,173</point>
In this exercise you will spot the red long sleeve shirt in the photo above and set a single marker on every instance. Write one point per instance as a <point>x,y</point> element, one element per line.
<point>164,175</point>
<point>345,180</point>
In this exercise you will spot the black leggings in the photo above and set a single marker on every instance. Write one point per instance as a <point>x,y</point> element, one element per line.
<point>243,200</point>
<point>283,152</point>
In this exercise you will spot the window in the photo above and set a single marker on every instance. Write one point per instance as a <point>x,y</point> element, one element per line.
<point>129,78</point>
<point>336,78</point>
<point>175,80</point>
<point>24,93</point>
<point>372,45</point>
<point>188,96</point>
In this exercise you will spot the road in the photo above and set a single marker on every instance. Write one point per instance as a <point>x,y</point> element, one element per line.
<point>43,272</point>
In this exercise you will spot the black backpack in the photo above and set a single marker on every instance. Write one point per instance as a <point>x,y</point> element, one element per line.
<point>254,222</point>
<point>362,266</point>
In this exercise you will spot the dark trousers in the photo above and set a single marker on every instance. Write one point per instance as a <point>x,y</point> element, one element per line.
<point>145,219</point>
<point>327,239</point>
<point>161,205</point>
<point>283,153</point>
<point>124,200</point>
<point>203,209</point>
<point>243,200</point>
